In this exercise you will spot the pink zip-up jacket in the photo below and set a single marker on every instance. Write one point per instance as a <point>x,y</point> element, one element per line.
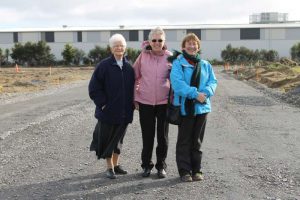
<point>152,74</point>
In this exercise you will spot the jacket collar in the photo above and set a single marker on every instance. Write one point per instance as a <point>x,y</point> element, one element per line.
<point>184,62</point>
<point>114,61</point>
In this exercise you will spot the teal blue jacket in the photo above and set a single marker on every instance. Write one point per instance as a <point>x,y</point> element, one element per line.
<point>181,74</point>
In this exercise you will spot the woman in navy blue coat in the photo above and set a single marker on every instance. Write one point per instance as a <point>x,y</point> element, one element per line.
<point>111,88</point>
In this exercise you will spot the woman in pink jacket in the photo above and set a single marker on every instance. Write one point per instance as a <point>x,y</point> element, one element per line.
<point>152,72</point>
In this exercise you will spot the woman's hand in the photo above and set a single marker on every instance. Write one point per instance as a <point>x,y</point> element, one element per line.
<point>201,97</point>
<point>136,105</point>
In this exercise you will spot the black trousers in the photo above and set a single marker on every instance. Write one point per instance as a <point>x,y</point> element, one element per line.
<point>150,117</point>
<point>189,141</point>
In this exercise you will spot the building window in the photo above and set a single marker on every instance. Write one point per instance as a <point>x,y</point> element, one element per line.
<point>250,33</point>
<point>79,36</point>
<point>195,31</point>
<point>48,36</point>
<point>146,34</point>
<point>134,35</point>
<point>16,38</point>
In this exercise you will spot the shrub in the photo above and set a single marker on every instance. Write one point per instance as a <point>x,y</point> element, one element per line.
<point>295,52</point>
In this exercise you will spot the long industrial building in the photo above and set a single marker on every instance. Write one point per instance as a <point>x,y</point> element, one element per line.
<point>214,38</point>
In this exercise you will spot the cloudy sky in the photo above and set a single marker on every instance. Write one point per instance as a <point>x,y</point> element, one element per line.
<point>55,13</point>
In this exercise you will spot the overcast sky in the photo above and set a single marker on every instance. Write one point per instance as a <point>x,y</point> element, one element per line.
<point>55,13</point>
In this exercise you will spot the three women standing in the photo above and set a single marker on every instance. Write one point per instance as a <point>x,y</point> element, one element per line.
<point>112,88</point>
<point>151,95</point>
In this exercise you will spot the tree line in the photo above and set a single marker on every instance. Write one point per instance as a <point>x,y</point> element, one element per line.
<point>243,55</point>
<point>39,54</point>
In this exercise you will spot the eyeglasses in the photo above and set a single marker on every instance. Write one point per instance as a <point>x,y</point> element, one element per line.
<point>155,40</point>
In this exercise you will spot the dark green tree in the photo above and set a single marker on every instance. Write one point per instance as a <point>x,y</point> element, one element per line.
<point>98,53</point>
<point>18,53</point>
<point>132,54</point>
<point>43,54</point>
<point>79,55</point>
<point>6,55</point>
<point>244,55</point>
<point>68,54</point>
<point>270,55</point>
<point>1,57</point>
<point>32,53</point>
<point>295,52</point>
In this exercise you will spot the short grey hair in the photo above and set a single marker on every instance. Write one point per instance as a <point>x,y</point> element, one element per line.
<point>117,38</point>
<point>158,31</point>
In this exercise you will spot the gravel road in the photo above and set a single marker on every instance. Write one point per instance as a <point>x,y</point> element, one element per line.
<point>251,149</point>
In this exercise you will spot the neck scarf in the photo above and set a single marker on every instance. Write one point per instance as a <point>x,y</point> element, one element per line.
<point>193,58</point>
<point>195,81</point>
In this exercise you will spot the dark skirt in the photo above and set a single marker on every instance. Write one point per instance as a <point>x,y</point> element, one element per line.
<point>108,139</point>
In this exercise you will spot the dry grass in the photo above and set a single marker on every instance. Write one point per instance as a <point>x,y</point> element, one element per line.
<point>296,69</point>
<point>34,79</point>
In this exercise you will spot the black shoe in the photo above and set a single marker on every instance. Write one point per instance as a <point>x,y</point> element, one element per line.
<point>119,170</point>
<point>186,178</point>
<point>146,172</point>
<point>161,173</point>
<point>110,174</point>
<point>197,176</point>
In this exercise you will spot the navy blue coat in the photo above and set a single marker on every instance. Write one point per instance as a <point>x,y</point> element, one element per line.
<point>113,88</point>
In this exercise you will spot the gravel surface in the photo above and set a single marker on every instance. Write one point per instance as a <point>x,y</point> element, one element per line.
<point>251,149</point>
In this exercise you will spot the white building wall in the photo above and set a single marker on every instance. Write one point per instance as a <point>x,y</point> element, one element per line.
<point>93,37</point>
<point>171,35</point>
<point>104,36</point>
<point>211,34</point>
<point>213,40</point>
<point>63,37</point>
<point>274,34</point>
<point>6,38</point>
<point>282,46</point>
<point>293,33</point>
<point>29,37</point>
<point>230,34</point>
<point>277,34</point>
<point>84,36</point>
<point>180,35</point>
<point>141,36</point>
<point>6,46</point>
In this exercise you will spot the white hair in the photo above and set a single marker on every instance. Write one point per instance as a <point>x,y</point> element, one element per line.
<point>158,31</point>
<point>116,38</point>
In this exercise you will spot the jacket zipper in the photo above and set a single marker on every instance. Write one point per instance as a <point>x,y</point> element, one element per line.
<point>123,94</point>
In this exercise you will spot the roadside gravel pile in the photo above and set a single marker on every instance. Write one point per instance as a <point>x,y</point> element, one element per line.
<point>292,97</point>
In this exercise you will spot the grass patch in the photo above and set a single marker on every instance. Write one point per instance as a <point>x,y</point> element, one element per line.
<point>22,84</point>
<point>296,69</point>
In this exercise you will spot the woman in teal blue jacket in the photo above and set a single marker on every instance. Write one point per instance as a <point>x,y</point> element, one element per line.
<point>194,83</point>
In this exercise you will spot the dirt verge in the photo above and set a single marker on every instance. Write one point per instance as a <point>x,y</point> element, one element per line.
<point>36,79</point>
